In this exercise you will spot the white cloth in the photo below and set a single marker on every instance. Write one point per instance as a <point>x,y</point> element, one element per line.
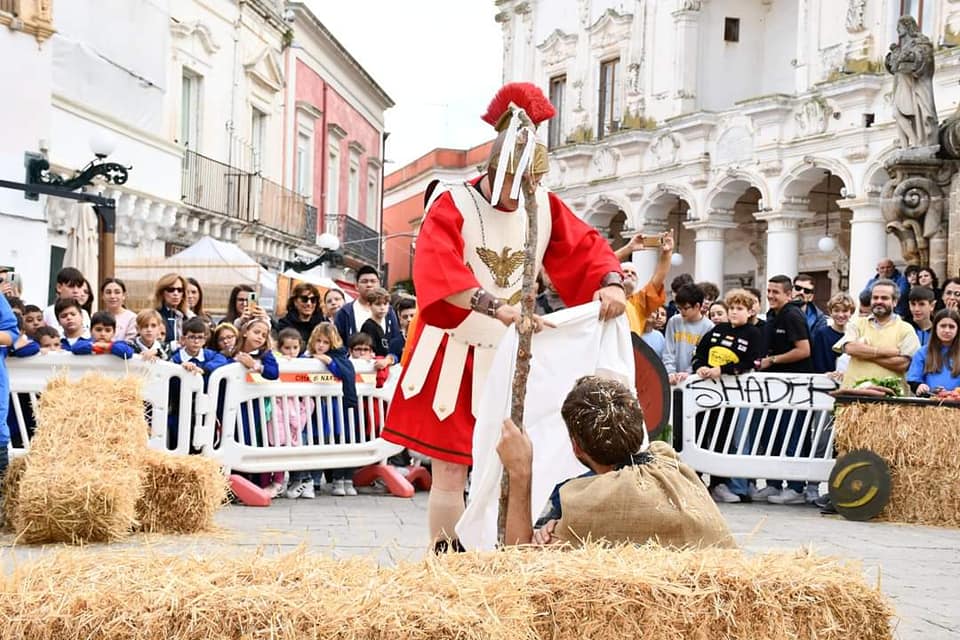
<point>580,345</point>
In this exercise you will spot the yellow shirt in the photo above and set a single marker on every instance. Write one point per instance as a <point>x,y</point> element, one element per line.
<point>641,304</point>
<point>896,334</point>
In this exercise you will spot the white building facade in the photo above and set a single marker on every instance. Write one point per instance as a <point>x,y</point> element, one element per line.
<point>754,128</point>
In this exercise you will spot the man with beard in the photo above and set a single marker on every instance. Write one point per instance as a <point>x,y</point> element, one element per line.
<point>881,344</point>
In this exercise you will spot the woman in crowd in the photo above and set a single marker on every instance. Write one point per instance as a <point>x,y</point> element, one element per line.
<point>718,312</point>
<point>333,299</point>
<point>938,365</point>
<point>194,296</point>
<point>171,301</point>
<point>239,309</point>
<point>303,311</point>
<point>113,296</point>
<point>927,277</point>
<point>86,298</point>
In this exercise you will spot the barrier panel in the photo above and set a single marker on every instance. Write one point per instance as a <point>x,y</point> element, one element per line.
<point>299,422</point>
<point>759,425</point>
<point>174,400</point>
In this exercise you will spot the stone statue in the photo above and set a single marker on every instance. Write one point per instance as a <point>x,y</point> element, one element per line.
<point>911,63</point>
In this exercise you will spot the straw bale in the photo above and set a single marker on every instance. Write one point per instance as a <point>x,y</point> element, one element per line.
<point>76,499</point>
<point>904,435</point>
<point>924,495</point>
<point>11,487</point>
<point>516,594</point>
<point>181,494</point>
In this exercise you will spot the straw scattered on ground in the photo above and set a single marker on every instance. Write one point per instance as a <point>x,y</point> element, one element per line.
<point>920,446</point>
<point>591,592</point>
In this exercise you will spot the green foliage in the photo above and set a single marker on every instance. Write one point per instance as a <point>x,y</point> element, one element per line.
<point>637,121</point>
<point>581,134</point>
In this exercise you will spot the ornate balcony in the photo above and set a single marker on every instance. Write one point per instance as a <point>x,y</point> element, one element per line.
<point>357,240</point>
<point>34,17</point>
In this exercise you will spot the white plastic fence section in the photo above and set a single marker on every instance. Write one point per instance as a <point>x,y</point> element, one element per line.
<point>29,377</point>
<point>297,423</point>
<point>759,425</point>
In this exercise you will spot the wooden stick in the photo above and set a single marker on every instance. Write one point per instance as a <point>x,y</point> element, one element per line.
<point>525,329</point>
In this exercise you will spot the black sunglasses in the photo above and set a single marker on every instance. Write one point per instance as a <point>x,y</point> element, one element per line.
<point>807,290</point>
<point>307,299</point>
<point>174,289</point>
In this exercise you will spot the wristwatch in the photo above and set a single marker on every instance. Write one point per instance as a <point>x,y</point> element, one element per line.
<point>773,359</point>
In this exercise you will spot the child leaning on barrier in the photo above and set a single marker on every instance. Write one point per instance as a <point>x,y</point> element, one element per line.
<point>224,339</point>
<point>102,328</point>
<point>326,346</point>
<point>195,359</point>
<point>149,344</point>
<point>48,338</point>
<point>69,314</point>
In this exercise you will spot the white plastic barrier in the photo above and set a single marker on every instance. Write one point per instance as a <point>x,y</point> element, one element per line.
<point>296,423</point>
<point>29,377</point>
<point>759,425</point>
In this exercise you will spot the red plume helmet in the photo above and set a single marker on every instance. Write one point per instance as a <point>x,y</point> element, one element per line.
<point>525,95</point>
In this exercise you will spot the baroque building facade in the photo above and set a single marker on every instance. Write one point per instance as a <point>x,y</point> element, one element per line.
<point>755,129</point>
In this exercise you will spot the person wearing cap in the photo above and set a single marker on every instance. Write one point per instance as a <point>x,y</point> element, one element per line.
<point>468,271</point>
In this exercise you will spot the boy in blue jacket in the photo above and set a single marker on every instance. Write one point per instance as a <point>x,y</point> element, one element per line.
<point>70,316</point>
<point>196,359</point>
<point>102,327</point>
<point>8,335</point>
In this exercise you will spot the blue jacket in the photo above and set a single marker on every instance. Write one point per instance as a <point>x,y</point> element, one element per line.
<point>80,346</point>
<point>8,323</point>
<point>343,369</point>
<point>821,349</point>
<point>210,362</point>
<point>346,323</point>
<point>943,378</point>
<point>815,318</point>
<point>903,303</point>
<point>32,348</point>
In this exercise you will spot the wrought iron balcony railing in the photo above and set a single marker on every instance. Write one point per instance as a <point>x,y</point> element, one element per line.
<point>356,239</point>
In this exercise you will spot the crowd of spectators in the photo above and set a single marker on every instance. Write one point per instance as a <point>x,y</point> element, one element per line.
<point>178,328</point>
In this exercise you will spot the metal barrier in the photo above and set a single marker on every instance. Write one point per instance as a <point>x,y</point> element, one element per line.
<point>173,398</point>
<point>298,422</point>
<point>759,425</point>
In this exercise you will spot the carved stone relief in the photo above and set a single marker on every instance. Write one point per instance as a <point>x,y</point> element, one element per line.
<point>812,117</point>
<point>734,145</point>
<point>604,163</point>
<point>611,29</point>
<point>855,9</point>
<point>665,150</point>
<point>558,47</point>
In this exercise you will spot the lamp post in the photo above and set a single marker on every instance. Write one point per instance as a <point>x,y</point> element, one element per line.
<point>39,179</point>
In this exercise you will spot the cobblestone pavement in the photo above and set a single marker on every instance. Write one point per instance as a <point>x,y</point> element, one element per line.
<point>918,567</point>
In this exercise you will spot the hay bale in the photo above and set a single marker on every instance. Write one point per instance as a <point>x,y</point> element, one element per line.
<point>919,444</point>
<point>181,494</point>
<point>591,592</point>
<point>11,488</point>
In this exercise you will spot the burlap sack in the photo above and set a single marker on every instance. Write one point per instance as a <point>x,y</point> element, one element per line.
<point>662,500</point>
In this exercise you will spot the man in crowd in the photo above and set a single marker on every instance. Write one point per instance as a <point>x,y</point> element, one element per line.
<point>880,345</point>
<point>351,316</point>
<point>887,270</point>
<point>803,292</point>
<point>641,302</point>
<point>675,284</point>
<point>951,294</point>
<point>711,293</point>
<point>788,351</point>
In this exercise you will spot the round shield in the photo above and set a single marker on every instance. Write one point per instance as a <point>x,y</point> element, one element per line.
<point>653,389</point>
<point>860,485</point>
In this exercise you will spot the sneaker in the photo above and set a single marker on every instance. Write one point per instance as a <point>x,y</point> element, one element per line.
<point>296,489</point>
<point>308,491</point>
<point>787,496</point>
<point>762,495</point>
<point>722,493</point>
<point>339,488</point>
<point>348,488</point>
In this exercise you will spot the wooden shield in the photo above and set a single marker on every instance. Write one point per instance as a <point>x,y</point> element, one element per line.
<point>653,390</point>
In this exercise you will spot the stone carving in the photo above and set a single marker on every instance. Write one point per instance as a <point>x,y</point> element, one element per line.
<point>584,11</point>
<point>605,161</point>
<point>691,5</point>
<point>911,63</point>
<point>855,10</point>
<point>610,29</point>
<point>812,116</point>
<point>558,47</point>
<point>912,204</point>
<point>664,150</point>
<point>734,145</point>
<point>578,88</point>
<point>635,83</point>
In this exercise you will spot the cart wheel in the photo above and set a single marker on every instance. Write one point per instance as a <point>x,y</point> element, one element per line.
<point>860,485</point>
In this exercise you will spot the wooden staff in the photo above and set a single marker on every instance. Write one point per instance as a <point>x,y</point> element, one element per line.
<point>525,329</point>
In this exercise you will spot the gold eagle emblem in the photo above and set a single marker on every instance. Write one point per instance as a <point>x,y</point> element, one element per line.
<point>501,265</point>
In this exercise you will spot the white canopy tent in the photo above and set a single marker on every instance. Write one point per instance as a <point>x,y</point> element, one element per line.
<point>317,276</point>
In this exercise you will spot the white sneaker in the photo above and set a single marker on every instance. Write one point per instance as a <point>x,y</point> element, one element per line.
<point>811,493</point>
<point>348,488</point>
<point>308,491</point>
<point>296,489</point>
<point>787,496</point>
<point>762,495</point>
<point>722,493</point>
<point>340,488</point>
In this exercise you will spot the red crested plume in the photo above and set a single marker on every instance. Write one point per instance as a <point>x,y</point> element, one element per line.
<point>525,95</point>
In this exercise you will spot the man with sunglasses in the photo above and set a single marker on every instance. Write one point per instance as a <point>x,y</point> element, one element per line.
<point>803,290</point>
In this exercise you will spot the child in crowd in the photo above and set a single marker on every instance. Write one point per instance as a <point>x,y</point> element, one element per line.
<point>362,348</point>
<point>718,312</point>
<point>387,345</point>
<point>288,343</point>
<point>253,350</point>
<point>24,346</point>
<point>69,315</point>
<point>683,333</point>
<point>8,335</point>
<point>32,319</point>
<point>326,346</point>
<point>659,319</point>
<point>406,308</point>
<point>193,357</point>
<point>48,338</point>
<point>866,303</point>
<point>102,327</point>
<point>825,360</point>
<point>69,286</point>
<point>937,366</point>
<point>224,339</point>
<point>651,335</point>
<point>922,303</point>
<point>149,344</point>
<point>711,293</point>
<point>729,348</point>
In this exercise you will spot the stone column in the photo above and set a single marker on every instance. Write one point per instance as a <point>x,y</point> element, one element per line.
<point>711,245</point>
<point>686,54</point>
<point>868,240</point>
<point>783,241</point>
